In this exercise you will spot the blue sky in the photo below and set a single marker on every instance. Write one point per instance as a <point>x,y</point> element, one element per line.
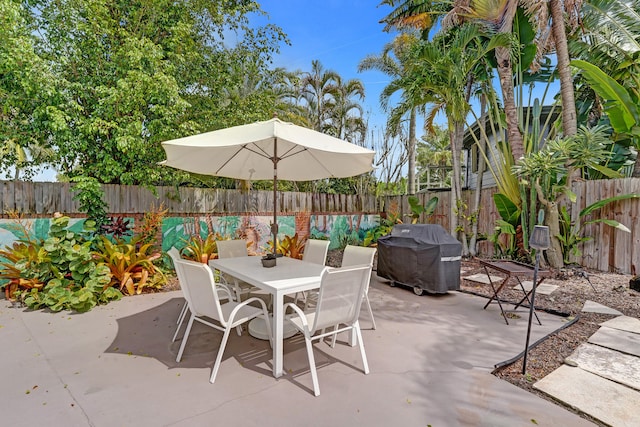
<point>338,33</point>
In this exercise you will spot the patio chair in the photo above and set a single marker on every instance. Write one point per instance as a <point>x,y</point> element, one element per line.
<point>339,300</point>
<point>232,249</point>
<point>353,255</point>
<point>315,251</point>
<point>175,255</point>
<point>202,294</point>
<point>356,255</point>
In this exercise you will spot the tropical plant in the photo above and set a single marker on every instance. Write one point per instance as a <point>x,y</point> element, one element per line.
<point>151,225</point>
<point>59,272</point>
<point>384,226</point>
<point>201,250</point>
<point>549,172</point>
<point>572,233</point>
<point>393,62</point>
<point>417,209</point>
<point>117,227</point>
<point>621,106</point>
<point>131,265</point>
<point>504,238</point>
<point>292,246</point>
<point>89,195</point>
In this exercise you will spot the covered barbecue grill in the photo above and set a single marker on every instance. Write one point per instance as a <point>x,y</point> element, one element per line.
<point>422,256</point>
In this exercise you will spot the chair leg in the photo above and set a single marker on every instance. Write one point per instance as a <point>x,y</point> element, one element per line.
<point>216,366</point>
<point>182,313</point>
<point>185,337</point>
<point>175,335</point>
<point>362,353</point>
<point>312,366</point>
<point>366,300</point>
<point>334,337</point>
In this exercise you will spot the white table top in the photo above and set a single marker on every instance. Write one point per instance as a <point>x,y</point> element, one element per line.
<point>288,276</point>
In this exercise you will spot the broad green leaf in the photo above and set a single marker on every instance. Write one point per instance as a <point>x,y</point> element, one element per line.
<point>506,208</point>
<point>597,205</point>
<point>622,111</point>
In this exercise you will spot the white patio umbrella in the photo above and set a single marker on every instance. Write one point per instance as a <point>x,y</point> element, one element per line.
<point>265,150</point>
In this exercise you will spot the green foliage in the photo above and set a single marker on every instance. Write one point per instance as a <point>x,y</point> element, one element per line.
<point>384,227</point>
<point>58,272</point>
<point>128,75</point>
<point>417,209</point>
<point>508,211</point>
<point>571,233</point>
<point>26,88</point>
<point>504,240</point>
<point>89,195</point>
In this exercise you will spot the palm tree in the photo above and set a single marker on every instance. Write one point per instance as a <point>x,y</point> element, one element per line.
<point>434,150</point>
<point>442,80</point>
<point>317,91</point>
<point>346,114</point>
<point>391,63</point>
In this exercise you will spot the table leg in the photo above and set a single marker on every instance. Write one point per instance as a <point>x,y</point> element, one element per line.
<point>495,294</point>
<point>526,298</point>
<point>278,322</point>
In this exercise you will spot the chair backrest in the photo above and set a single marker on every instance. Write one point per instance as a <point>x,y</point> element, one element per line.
<point>232,248</point>
<point>175,257</point>
<point>340,296</point>
<point>200,286</point>
<point>315,251</point>
<point>356,255</point>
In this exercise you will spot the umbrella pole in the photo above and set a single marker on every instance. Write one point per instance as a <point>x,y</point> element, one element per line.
<point>274,225</point>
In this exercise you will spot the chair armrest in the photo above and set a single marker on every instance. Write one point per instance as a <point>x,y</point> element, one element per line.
<point>224,289</point>
<point>299,312</point>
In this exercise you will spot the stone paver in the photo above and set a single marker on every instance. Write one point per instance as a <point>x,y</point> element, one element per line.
<point>594,307</point>
<point>483,278</point>
<point>541,289</point>
<point>607,401</point>
<point>626,342</point>
<point>624,323</point>
<point>610,364</point>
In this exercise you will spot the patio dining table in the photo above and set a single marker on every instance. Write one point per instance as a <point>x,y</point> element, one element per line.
<point>288,276</point>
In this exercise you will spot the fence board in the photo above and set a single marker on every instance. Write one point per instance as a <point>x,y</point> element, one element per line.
<point>609,249</point>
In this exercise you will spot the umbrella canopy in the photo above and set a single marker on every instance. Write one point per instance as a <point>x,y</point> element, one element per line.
<point>268,149</point>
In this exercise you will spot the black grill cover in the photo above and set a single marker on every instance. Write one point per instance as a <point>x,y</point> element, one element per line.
<point>422,255</point>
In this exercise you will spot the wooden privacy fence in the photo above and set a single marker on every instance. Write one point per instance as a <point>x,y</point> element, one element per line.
<point>608,250</point>
<point>45,198</point>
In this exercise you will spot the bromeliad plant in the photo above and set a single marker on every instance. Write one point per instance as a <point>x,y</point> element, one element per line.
<point>292,247</point>
<point>201,250</point>
<point>130,264</point>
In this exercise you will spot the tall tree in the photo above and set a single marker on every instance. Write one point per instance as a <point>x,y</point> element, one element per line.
<point>392,62</point>
<point>317,91</point>
<point>137,73</point>
<point>27,95</point>
<point>346,115</point>
<point>443,81</point>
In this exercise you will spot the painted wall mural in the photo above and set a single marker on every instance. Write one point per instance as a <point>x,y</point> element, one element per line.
<point>37,228</point>
<point>340,229</point>
<point>254,229</point>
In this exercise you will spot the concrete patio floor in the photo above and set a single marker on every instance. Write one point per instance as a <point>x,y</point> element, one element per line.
<point>430,361</point>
